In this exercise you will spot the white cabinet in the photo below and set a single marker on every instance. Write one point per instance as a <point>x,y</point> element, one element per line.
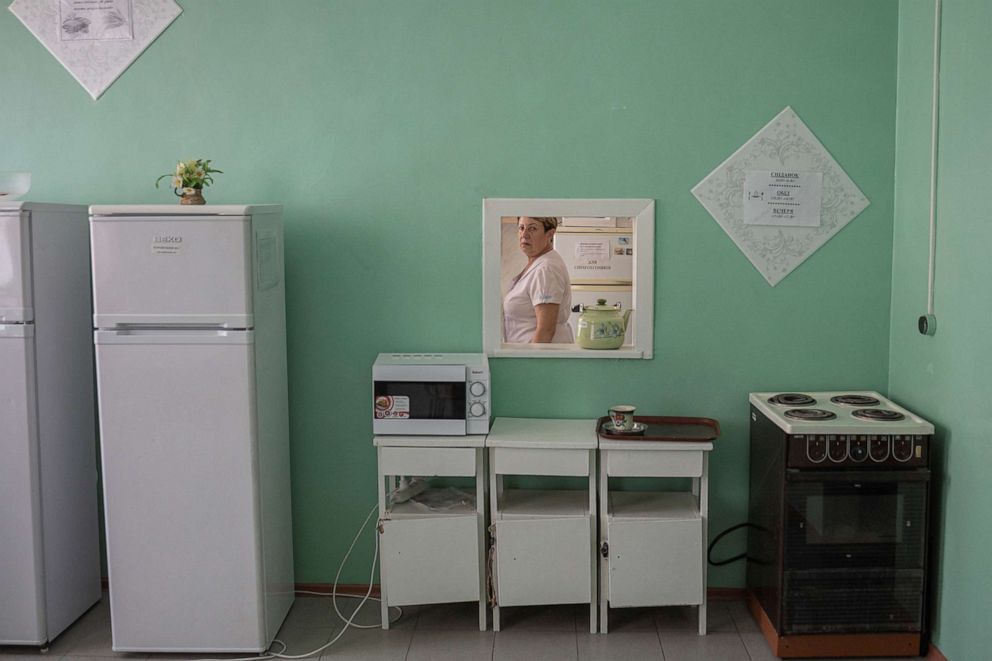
<point>653,543</point>
<point>543,541</point>
<point>431,556</point>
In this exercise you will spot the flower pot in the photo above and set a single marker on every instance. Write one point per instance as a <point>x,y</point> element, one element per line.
<point>192,196</point>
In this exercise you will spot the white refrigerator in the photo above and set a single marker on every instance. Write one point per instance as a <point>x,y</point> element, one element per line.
<point>49,516</point>
<point>189,311</point>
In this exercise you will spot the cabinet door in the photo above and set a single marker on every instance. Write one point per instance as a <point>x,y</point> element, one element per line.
<point>655,562</point>
<point>544,561</point>
<point>430,560</point>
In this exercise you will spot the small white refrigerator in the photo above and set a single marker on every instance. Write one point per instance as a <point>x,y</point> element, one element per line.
<point>49,513</point>
<point>189,312</point>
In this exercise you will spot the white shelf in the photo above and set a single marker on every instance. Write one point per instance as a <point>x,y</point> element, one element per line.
<point>411,509</point>
<point>543,504</point>
<point>414,510</point>
<point>563,351</point>
<point>655,505</point>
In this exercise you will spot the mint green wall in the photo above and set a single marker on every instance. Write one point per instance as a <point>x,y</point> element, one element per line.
<point>948,377</point>
<point>381,126</point>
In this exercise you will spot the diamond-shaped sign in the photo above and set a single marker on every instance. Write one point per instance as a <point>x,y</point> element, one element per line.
<point>785,143</point>
<point>96,63</point>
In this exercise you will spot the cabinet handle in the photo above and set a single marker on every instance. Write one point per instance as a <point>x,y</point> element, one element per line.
<point>604,550</point>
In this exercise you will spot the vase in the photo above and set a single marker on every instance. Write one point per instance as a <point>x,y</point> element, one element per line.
<point>192,196</point>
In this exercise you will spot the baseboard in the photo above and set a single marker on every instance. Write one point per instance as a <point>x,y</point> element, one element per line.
<point>725,594</point>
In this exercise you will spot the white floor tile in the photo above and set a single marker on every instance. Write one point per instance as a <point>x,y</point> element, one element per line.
<point>370,645</point>
<point>522,645</point>
<point>301,639</point>
<point>690,646</point>
<point>429,645</point>
<point>620,646</point>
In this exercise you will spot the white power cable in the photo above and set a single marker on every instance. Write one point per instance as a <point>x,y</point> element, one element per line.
<point>348,622</point>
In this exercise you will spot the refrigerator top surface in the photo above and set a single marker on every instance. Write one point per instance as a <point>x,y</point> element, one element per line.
<point>16,206</point>
<point>183,210</point>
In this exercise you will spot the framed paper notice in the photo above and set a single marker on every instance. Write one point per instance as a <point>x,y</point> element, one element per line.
<point>96,40</point>
<point>780,196</point>
<point>95,20</point>
<point>786,198</point>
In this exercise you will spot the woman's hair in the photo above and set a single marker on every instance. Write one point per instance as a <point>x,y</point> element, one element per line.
<point>549,222</point>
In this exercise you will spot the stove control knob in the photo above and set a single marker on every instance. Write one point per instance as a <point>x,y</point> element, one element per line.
<point>477,388</point>
<point>858,448</point>
<point>878,448</point>
<point>816,448</point>
<point>477,409</point>
<point>837,448</point>
<point>902,448</point>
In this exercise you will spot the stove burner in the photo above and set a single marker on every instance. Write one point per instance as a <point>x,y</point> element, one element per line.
<point>884,415</point>
<point>792,399</point>
<point>810,414</point>
<point>855,400</point>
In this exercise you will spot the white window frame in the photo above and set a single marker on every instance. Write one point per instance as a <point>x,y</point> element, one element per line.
<point>642,213</point>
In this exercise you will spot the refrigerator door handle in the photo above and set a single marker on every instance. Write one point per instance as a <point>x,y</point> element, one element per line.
<point>173,336</point>
<point>16,330</point>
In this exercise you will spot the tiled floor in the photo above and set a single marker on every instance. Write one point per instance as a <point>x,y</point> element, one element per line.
<point>438,633</point>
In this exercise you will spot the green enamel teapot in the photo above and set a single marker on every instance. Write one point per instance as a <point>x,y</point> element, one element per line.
<point>601,326</point>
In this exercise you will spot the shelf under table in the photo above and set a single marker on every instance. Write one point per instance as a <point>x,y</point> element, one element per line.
<point>411,509</point>
<point>657,505</point>
<point>543,503</point>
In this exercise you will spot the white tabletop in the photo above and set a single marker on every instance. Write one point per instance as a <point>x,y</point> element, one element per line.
<point>471,441</point>
<point>543,433</point>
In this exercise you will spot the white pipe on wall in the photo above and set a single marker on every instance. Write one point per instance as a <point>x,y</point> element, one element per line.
<point>927,323</point>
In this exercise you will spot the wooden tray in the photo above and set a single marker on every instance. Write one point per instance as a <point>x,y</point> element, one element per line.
<point>666,428</point>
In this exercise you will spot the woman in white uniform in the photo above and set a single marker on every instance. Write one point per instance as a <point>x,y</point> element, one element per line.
<point>539,300</point>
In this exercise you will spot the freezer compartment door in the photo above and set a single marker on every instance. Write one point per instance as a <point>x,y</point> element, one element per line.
<point>15,268</point>
<point>179,447</point>
<point>22,619</point>
<point>172,270</point>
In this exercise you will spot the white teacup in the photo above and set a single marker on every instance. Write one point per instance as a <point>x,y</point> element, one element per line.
<point>622,417</point>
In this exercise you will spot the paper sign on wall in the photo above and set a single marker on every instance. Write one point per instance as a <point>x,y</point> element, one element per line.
<point>99,20</point>
<point>786,198</point>
<point>781,167</point>
<point>96,40</point>
<point>592,253</point>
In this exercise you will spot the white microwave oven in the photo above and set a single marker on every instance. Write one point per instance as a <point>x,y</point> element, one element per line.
<point>434,394</point>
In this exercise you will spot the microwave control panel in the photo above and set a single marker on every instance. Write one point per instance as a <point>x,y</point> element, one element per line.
<point>477,402</point>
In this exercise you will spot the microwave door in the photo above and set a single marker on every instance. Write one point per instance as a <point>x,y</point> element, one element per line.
<point>422,406</point>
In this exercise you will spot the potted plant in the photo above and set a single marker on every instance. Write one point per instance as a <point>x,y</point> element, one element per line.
<point>189,179</point>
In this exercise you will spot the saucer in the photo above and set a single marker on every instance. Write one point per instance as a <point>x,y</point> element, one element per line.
<point>639,428</point>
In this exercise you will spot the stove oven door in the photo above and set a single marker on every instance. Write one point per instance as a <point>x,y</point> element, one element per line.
<point>855,551</point>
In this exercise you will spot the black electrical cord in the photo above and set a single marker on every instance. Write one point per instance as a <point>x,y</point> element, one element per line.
<point>709,549</point>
